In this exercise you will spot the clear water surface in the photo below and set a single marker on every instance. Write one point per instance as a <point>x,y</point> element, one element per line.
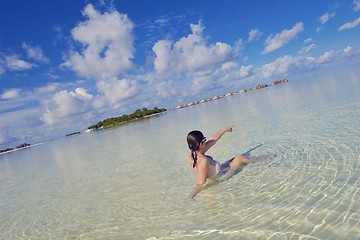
<point>131,182</point>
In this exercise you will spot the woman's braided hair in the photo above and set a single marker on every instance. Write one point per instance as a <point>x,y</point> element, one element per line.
<point>194,139</point>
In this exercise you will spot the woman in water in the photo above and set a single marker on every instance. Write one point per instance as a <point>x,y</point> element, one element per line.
<point>205,166</point>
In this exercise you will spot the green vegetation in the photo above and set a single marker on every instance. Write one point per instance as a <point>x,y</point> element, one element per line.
<point>138,114</point>
<point>71,134</point>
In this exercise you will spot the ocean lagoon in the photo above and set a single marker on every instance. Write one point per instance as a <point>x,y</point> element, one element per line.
<point>132,181</point>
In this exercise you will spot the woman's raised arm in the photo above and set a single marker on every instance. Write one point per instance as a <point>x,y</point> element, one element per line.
<point>211,142</point>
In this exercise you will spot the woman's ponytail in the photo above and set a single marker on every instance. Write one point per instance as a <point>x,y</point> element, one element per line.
<point>194,139</point>
<point>194,156</point>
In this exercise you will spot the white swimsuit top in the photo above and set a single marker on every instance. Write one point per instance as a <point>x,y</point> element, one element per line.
<point>217,168</point>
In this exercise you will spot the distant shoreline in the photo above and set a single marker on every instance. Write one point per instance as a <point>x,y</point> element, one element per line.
<point>257,87</point>
<point>18,148</point>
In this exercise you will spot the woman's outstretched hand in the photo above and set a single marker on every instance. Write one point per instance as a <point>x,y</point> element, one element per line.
<point>211,141</point>
<point>229,129</point>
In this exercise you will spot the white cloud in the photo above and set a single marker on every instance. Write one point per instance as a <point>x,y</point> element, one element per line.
<point>83,94</point>
<point>351,52</point>
<point>15,64</point>
<point>326,17</point>
<point>208,80</point>
<point>244,71</point>
<point>288,64</point>
<point>232,71</point>
<point>254,34</point>
<point>229,66</point>
<point>116,90</point>
<point>326,57</point>
<point>162,21</point>
<point>2,69</point>
<point>191,53</point>
<point>348,50</point>
<point>10,94</point>
<point>35,53</point>
<point>356,5</point>
<point>49,88</point>
<point>65,104</point>
<point>350,25</point>
<point>69,105</point>
<point>308,40</point>
<point>107,41</point>
<point>5,136</point>
<point>162,62</point>
<point>275,42</point>
<point>208,83</point>
<point>307,49</point>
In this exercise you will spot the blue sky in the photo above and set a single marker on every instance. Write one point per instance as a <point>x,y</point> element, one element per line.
<point>65,65</point>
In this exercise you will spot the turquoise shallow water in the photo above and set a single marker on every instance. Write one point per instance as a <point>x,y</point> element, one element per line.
<point>131,182</point>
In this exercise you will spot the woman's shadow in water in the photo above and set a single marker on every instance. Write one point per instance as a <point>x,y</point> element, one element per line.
<point>248,152</point>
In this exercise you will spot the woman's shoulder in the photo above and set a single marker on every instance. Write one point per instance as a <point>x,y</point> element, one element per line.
<point>204,158</point>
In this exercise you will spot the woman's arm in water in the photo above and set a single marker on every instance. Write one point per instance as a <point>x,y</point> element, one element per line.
<point>211,142</point>
<point>201,170</point>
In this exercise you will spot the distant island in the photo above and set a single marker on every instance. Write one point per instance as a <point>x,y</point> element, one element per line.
<point>138,114</point>
<point>72,134</point>
<point>257,87</point>
<point>21,146</point>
